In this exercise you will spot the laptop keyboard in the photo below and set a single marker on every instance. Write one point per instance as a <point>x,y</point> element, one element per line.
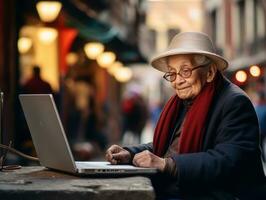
<point>105,165</point>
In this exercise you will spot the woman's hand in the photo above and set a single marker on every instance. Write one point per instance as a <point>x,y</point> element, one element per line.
<point>148,159</point>
<point>117,155</point>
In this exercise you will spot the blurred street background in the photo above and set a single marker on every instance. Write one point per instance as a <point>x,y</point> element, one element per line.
<point>93,56</point>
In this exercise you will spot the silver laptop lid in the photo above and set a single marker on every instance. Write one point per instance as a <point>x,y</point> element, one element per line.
<point>45,125</point>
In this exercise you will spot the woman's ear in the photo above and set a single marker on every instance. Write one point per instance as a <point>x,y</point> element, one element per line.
<point>211,72</point>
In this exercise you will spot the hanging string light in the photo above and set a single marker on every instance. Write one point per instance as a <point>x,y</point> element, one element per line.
<point>106,59</point>
<point>72,58</point>
<point>255,71</point>
<point>114,67</point>
<point>24,44</point>
<point>241,76</point>
<point>93,49</point>
<point>124,74</point>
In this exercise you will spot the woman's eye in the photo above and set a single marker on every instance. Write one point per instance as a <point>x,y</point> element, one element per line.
<point>185,71</point>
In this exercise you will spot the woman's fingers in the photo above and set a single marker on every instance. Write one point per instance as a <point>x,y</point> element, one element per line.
<point>142,159</point>
<point>110,151</point>
<point>117,155</point>
<point>148,159</point>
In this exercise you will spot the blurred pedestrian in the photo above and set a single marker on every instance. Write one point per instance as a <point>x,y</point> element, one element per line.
<point>206,142</point>
<point>260,108</point>
<point>135,115</point>
<point>83,122</point>
<point>36,84</point>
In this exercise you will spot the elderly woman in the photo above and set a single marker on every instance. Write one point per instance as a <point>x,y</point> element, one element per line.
<point>206,141</point>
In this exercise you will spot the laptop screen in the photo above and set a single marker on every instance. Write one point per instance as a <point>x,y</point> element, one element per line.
<point>47,131</point>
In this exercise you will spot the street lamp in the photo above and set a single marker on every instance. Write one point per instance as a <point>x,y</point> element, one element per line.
<point>47,35</point>
<point>48,10</point>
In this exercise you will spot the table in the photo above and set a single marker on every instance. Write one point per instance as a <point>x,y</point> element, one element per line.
<point>40,183</point>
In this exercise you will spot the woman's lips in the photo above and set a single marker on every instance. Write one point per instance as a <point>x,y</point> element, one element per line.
<point>182,88</point>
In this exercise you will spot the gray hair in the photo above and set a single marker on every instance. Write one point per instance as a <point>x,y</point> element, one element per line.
<point>198,59</point>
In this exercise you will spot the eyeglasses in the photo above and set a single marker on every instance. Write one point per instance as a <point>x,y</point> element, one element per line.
<point>183,72</point>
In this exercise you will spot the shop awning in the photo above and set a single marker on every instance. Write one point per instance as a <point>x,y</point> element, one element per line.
<point>92,29</point>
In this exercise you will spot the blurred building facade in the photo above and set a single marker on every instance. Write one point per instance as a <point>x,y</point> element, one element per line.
<point>238,29</point>
<point>8,64</point>
<point>134,30</point>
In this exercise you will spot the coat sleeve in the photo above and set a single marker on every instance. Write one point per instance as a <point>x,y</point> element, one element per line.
<point>235,149</point>
<point>139,148</point>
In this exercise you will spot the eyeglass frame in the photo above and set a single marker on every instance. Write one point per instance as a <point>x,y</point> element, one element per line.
<point>169,74</point>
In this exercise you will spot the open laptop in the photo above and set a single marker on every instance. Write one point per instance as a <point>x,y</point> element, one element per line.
<point>51,142</point>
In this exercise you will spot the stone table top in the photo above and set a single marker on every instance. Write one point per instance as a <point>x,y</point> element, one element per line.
<point>41,183</point>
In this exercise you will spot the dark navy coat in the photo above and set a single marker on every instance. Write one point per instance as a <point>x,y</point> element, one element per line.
<point>230,159</point>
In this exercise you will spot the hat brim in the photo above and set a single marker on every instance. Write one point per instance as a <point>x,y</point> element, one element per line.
<point>159,62</point>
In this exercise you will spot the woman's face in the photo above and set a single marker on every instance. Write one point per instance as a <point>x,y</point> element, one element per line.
<point>186,88</point>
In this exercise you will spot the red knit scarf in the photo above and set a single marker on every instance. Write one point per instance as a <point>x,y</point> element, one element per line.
<point>194,122</point>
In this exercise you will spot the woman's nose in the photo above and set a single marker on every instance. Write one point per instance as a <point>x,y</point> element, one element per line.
<point>179,79</point>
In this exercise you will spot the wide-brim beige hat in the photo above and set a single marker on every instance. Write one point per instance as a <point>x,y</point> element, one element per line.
<point>189,43</point>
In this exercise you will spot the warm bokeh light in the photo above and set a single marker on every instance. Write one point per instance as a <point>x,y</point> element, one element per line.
<point>255,71</point>
<point>124,74</point>
<point>24,44</point>
<point>114,67</point>
<point>194,13</point>
<point>71,58</point>
<point>241,76</point>
<point>48,10</point>
<point>47,35</point>
<point>174,14</point>
<point>106,59</point>
<point>93,49</point>
<point>46,55</point>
